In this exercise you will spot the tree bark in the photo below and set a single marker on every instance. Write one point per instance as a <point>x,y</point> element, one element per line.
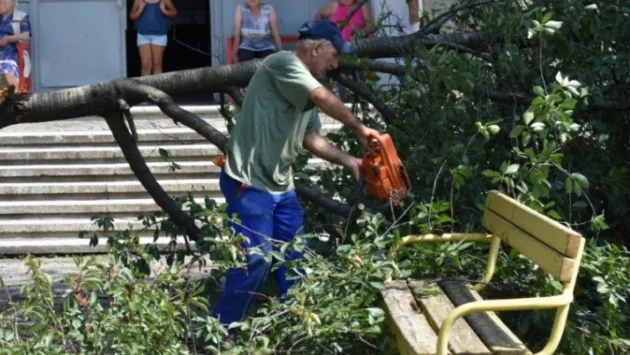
<point>143,173</point>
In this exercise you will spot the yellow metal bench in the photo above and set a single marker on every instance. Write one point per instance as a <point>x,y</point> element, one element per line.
<point>450,317</point>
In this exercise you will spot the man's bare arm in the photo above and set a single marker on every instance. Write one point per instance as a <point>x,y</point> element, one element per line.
<point>321,147</point>
<point>317,144</point>
<point>332,106</point>
<point>335,108</point>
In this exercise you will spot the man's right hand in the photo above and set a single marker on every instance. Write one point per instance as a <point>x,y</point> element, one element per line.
<point>332,106</point>
<point>363,134</point>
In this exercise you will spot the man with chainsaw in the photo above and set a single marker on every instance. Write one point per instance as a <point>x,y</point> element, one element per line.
<point>278,118</point>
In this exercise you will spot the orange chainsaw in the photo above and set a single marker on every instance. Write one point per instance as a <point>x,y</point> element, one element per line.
<point>384,179</point>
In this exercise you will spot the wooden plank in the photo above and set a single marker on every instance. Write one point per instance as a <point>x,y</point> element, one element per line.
<point>413,333</point>
<point>549,260</point>
<point>436,307</point>
<point>559,237</point>
<point>492,331</point>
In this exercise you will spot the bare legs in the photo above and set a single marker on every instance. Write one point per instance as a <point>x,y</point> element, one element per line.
<point>146,60</point>
<point>157,53</point>
<point>151,56</point>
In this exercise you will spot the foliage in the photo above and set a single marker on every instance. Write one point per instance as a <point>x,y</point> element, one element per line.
<point>459,136</point>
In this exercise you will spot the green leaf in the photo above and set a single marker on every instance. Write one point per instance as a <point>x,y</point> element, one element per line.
<point>538,90</point>
<point>512,169</point>
<point>376,285</point>
<point>163,153</point>
<point>516,131</point>
<point>559,78</point>
<point>277,255</point>
<point>528,117</point>
<point>580,205</point>
<point>494,129</point>
<point>554,214</point>
<point>581,179</point>
<point>490,173</point>
<point>537,127</point>
<point>547,17</point>
<point>568,185</point>
<point>553,25</point>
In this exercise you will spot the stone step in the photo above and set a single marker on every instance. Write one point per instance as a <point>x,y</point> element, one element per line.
<point>43,225</point>
<point>144,117</point>
<point>156,131</point>
<point>92,137</point>
<point>86,207</point>
<point>65,246</point>
<point>112,189</point>
<point>63,172</point>
<point>56,176</point>
<point>111,154</point>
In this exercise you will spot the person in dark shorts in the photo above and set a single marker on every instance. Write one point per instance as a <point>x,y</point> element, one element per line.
<point>256,32</point>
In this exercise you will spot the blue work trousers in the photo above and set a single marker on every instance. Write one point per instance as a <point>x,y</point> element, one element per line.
<point>265,219</point>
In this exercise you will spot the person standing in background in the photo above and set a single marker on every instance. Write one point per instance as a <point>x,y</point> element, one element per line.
<point>256,32</point>
<point>337,11</point>
<point>152,24</point>
<point>14,27</point>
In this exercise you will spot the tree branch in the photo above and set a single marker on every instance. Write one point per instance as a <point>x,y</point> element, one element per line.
<point>358,88</point>
<point>372,65</point>
<point>139,92</point>
<point>143,173</point>
<point>436,24</point>
<point>525,99</point>
<point>166,104</point>
<point>235,94</point>
<point>126,111</point>
<point>327,203</point>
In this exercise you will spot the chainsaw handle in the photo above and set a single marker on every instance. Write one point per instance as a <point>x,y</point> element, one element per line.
<point>365,199</point>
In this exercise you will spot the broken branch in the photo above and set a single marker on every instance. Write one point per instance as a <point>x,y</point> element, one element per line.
<point>139,167</point>
<point>361,90</point>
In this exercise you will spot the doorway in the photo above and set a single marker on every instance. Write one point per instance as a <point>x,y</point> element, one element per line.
<point>188,44</point>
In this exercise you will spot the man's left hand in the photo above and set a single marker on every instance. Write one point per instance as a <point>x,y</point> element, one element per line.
<point>354,165</point>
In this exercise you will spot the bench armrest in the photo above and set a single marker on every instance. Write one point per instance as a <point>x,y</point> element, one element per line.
<point>448,237</point>
<point>498,305</point>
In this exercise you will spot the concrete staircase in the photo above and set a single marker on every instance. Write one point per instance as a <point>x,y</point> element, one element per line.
<point>55,176</point>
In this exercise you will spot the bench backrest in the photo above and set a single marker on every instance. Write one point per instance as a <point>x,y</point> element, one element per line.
<point>555,248</point>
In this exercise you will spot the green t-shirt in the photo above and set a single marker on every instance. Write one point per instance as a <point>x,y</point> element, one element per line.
<point>271,124</point>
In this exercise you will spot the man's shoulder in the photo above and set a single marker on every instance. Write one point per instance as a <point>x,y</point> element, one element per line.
<point>281,59</point>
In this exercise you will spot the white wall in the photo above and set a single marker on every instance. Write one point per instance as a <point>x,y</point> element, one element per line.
<point>396,14</point>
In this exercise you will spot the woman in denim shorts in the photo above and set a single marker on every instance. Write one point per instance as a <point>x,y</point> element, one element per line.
<point>152,24</point>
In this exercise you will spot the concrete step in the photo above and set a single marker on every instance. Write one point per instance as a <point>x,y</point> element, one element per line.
<point>56,176</point>
<point>111,154</point>
<point>110,189</point>
<point>144,117</point>
<point>160,130</point>
<point>63,171</point>
<point>44,224</point>
<point>95,206</point>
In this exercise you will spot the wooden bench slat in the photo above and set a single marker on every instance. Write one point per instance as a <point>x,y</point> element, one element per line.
<point>413,333</point>
<point>487,325</point>
<point>556,264</point>
<point>436,306</point>
<point>557,236</point>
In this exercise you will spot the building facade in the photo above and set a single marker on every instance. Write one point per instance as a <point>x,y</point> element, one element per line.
<point>79,42</point>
